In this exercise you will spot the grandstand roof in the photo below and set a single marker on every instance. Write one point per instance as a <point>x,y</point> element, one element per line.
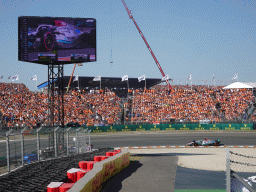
<point>240,85</point>
<point>42,85</point>
<point>108,82</point>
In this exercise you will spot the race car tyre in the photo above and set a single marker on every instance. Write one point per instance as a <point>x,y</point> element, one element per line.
<point>48,41</point>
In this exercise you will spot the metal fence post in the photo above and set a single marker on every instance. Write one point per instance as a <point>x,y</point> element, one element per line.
<point>22,146</point>
<point>68,141</point>
<point>89,139</point>
<point>85,131</point>
<point>38,143</point>
<point>8,150</point>
<point>55,142</point>
<point>77,143</point>
<point>227,171</point>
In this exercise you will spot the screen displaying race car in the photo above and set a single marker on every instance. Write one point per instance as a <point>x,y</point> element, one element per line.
<point>57,39</point>
<point>205,142</point>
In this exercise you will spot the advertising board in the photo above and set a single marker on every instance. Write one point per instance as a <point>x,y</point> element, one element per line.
<point>168,127</point>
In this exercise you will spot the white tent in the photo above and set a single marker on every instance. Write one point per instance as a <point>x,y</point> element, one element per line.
<point>240,85</point>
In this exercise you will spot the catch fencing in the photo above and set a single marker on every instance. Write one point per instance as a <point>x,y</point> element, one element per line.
<point>21,147</point>
<point>240,172</point>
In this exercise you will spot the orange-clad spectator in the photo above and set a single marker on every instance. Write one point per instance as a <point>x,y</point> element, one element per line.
<point>98,107</point>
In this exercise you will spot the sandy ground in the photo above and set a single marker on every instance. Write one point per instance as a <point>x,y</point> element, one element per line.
<point>213,159</point>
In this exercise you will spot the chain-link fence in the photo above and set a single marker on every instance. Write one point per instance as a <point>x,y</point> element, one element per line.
<point>241,171</point>
<point>21,147</point>
<point>3,161</point>
<point>77,142</point>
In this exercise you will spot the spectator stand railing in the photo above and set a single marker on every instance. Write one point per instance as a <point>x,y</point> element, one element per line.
<point>240,172</point>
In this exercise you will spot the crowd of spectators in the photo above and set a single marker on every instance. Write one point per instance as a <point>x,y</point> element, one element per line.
<point>190,105</point>
<point>20,107</point>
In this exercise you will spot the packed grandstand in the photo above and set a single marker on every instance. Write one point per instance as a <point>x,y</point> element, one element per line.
<point>21,107</point>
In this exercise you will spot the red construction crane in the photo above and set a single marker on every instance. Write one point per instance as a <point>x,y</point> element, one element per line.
<point>79,64</point>
<point>150,50</point>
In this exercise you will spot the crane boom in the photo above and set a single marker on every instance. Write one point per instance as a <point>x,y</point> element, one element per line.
<point>71,77</point>
<point>150,50</point>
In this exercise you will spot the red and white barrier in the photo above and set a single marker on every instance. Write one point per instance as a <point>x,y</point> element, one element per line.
<point>54,186</point>
<point>72,174</point>
<point>81,173</point>
<point>65,187</point>
<point>75,174</point>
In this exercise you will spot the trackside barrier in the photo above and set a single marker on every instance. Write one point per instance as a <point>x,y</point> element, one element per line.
<point>102,171</point>
<point>30,145</point>
<point>151,127</point>
<point>240,171</point>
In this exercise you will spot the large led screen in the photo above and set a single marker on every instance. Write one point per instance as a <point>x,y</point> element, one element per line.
<point>57,40</point>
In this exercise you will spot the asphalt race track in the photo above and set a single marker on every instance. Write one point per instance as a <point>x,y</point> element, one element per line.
<point>172,139</point>
<point>143,139</point>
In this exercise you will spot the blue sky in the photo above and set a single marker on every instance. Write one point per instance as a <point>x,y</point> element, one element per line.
<point>198,37</point>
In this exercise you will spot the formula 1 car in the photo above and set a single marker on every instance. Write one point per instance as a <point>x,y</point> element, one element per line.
<point>59,36</point>
<point>205,142</point>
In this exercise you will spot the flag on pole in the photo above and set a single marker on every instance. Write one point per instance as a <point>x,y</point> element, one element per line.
<point>235,76</point>
<point>34,78</point>
<point>76,78</point>
<point>9,77</point>
<point>213,77</point>
<point>142,78</point>
<point>2,77</point>
<point>15,77</point>
<point>189,77</point>
<point>125,78</point>
<point>97,78</point>
<point>166,77</point>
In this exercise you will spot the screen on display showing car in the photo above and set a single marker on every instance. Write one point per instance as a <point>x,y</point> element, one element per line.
<point>57,39</point>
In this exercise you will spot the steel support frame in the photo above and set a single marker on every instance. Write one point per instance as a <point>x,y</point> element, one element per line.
<point>55,100</point>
